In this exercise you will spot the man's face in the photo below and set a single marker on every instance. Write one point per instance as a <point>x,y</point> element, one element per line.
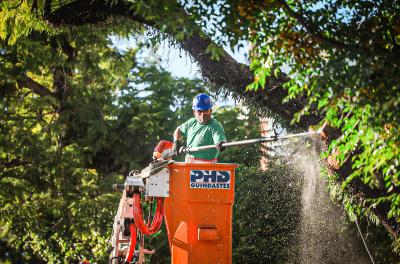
<point>202,116</point>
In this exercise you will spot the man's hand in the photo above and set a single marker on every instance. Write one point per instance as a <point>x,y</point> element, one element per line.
<point>220,147</point>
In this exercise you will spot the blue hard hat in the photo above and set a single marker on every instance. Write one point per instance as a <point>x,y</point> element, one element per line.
<point>202,102</point>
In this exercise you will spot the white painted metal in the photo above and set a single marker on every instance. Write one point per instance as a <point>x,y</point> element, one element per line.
<point>134,181</point>
<point>157,185</point>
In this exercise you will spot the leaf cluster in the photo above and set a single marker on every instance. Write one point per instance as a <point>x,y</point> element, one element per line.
<point>342,57</point>
<point>76,115</point>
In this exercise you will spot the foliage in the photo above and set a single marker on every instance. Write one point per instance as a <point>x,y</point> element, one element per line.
<point>342,56</point>
<point>265,223</point>
<point>376,237</point>
<point>17,20</point>
<point>72,134</point>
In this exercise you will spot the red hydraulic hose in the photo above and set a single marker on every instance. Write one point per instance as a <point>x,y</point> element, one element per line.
<point>138,216</point>
<point>132,245</point>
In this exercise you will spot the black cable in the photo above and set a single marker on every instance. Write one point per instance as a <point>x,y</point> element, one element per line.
<point>119,260</point>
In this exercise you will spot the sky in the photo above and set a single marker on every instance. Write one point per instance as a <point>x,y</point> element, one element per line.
<point>176,61</point>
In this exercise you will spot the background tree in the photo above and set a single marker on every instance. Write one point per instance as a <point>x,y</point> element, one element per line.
<point>342,58</point>
<point>72,129</point>
<point>77,115</point>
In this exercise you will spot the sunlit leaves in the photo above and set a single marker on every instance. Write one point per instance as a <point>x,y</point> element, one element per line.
<point>349,86</point>
<point>17,20</point>
<point>60,155</point>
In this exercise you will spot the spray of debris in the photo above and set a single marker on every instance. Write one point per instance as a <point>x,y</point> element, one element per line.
<point>325,234</point>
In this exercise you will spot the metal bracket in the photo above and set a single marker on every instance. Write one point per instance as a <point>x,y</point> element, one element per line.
<point>157,185</point>
<point>134,181</point>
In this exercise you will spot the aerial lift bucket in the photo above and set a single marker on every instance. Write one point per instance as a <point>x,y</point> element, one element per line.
<point>197,208</point>
<point>198,212</point>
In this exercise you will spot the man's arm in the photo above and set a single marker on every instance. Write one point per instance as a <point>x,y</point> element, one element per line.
<point>177,136</point>
<point>219,137</point>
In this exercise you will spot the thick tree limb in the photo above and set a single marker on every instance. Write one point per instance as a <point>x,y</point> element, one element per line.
<point>82,12</point>
<point>233,76</point>
<point>390,225</point>
<point>225,73</point>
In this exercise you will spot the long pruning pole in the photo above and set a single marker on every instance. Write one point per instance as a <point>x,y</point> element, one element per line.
<point>250,141</point>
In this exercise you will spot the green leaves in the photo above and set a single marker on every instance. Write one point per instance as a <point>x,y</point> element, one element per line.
<point>17,20</point>
<point>261,74</point>
<point>215,51</point>
<point>60,153</point>
<point>342,63</point>
<point>343,68</point>
<point>265,222</point>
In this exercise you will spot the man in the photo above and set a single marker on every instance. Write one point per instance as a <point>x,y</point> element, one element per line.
<point>202,130</point>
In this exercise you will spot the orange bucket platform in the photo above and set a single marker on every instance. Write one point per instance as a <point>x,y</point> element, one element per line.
<point>198,212</point>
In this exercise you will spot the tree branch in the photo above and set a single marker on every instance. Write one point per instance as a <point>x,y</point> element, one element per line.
<point>311,30</point>
<point>68,49</point>
<point>36,87</point>
<point>82,12</point>
<point>47,7</point>
<point>224,73</point>
<point>391,226</point>
<point>14,163</point>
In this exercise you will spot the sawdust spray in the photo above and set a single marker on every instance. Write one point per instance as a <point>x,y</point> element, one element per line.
<point>326,236</point>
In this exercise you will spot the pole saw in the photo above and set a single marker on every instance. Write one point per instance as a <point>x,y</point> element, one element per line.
<point>272,138</point>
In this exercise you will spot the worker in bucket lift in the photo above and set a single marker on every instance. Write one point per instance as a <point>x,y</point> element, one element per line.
<point>202,130</point>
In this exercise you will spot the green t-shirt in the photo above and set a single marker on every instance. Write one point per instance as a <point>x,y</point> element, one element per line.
<point>198,135</point>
